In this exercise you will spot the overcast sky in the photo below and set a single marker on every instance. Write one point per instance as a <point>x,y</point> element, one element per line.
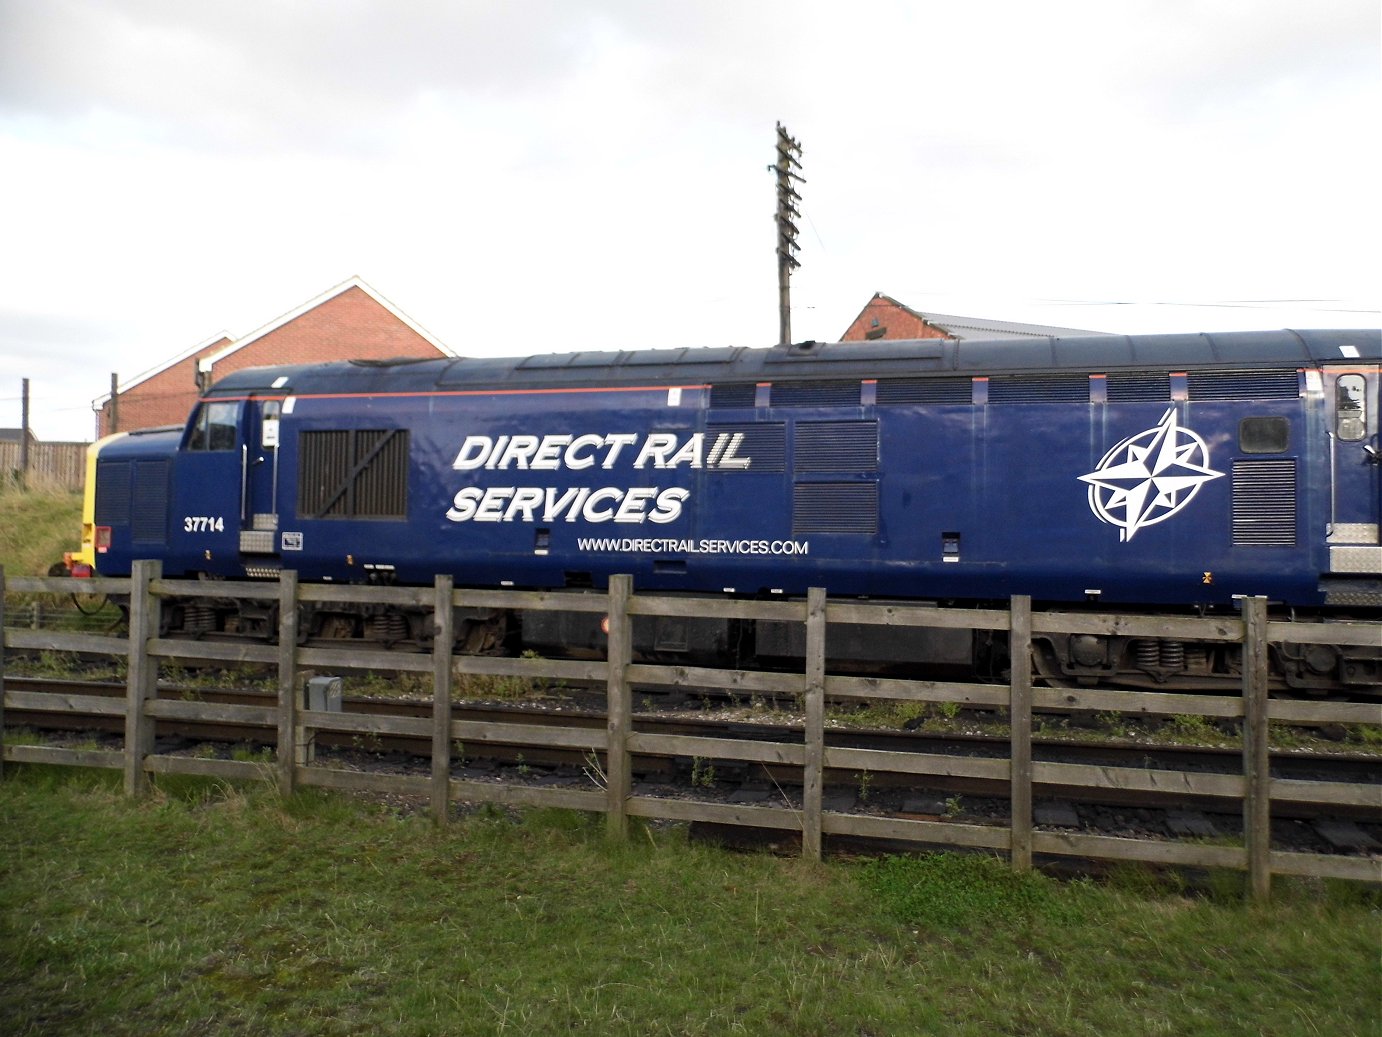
<point>539,175</point>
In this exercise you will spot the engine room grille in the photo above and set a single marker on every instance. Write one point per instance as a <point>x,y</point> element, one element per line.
<point>836,446</point>
<point>1264,503</point>
<point>827,507</point>
<point>1057,388</point>
<point>353,473</point>
<point>1138,386</point>
<point>765,444</point>
<point>933,391</point>
<point>1243,385</point>
<point>815,394</point>
<point>739,395</point>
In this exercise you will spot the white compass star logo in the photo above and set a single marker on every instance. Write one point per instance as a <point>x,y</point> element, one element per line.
<point>1149,477</point>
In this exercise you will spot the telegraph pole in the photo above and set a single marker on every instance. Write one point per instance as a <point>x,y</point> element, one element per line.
<point>24,434</point>
<point>788,150</point>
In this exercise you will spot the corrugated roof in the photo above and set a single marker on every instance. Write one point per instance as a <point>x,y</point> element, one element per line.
<point>982,327</point>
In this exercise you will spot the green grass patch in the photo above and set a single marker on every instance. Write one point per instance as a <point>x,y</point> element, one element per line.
<point>36,527</point>
<point>209,908</point>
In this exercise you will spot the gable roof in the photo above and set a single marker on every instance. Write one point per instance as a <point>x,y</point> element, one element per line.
<point>223,344</point>
<point>977,327</point>
<point>311,304</point>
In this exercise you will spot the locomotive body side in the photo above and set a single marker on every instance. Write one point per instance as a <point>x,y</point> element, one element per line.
<point>1166,472</point>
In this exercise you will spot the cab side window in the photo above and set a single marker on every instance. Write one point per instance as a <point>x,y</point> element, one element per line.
<point>1350,417</point>
<point>214,427</point>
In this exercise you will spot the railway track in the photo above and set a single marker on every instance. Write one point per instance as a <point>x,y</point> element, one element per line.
<point>1353,768</point>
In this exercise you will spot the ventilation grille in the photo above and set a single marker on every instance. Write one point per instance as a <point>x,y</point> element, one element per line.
<point>933,391</point>
<point>836,446</point>
<point>149,506</point>
<point>1243,385</point>
<point>1264,503</point>
<point>1039,389</point>
<point>112,493</point>
<point>353,473</point>
<point>1135,387</point>
<point>815,394</point>
<point>765,445</point>
<point>725,396</point>
<point>827,507</point>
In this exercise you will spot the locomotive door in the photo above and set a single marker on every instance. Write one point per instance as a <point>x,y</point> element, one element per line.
<point>259,481</point>
<point>1355,496</point>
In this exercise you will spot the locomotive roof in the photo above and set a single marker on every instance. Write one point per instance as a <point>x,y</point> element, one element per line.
<point>1238,350</point>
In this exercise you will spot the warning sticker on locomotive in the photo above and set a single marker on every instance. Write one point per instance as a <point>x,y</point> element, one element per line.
<point>631,505</point>
<point>1149,477</point>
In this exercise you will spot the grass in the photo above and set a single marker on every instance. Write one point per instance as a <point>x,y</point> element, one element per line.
<point>212,909</point>
<point>36,526</point>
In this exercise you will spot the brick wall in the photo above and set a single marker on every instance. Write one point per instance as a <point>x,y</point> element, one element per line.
<point>886,319</point>
<point>348,326</point>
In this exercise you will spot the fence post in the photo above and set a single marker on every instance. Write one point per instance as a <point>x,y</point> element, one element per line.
<point>443,635</point>
<point>618,708</point>
<point>142,674</point>
<point>813,778</point>
<point>2,671</point>
<point>289,697</point>
<point>1257,802</point>
<point>1020,724</point>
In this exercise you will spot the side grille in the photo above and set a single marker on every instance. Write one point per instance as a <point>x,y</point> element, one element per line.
<point>835,507</point>
<point>765,445</point>
<point>1264,503</point>
<point>353,473</point>
<point>836,446</point>
<point>926,391</point>
<point>815,394</point>
<point>1243,385</point>
<point>1039,389</point>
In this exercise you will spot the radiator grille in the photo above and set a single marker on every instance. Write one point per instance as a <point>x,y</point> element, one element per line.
<point>1243,385</point>
<point>353,473</point>
<point>765,444</point>
<point>112,493</point>
<point>149,506</point>
<point>827,507</point>
<point>836,446</point>
<point>933,391</point>
<point>1264,503</point>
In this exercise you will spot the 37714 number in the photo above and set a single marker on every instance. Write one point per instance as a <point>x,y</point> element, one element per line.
<point>203,524</point>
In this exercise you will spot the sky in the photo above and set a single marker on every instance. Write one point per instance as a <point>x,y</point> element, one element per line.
<point>528,176</point>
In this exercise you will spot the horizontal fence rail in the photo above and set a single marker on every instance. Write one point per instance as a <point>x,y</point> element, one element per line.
<point>612,748</point>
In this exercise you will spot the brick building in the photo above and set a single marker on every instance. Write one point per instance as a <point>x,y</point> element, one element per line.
<point>885,318</point>
<point>350,322</point>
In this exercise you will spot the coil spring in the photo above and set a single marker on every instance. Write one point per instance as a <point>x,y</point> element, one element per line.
<point>390,627</point>
<point>197,619</point>
<point>1172,655</point>
<point>1147,654</point>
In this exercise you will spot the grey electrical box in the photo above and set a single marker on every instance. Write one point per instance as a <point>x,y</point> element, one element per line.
<point>324,694</point>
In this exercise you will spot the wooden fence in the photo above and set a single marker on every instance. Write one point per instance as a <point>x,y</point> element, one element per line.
<point>60,465</point>
<point>615,746</point>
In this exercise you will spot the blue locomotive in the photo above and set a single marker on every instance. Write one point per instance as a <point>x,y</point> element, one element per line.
<point>1169,472</point>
